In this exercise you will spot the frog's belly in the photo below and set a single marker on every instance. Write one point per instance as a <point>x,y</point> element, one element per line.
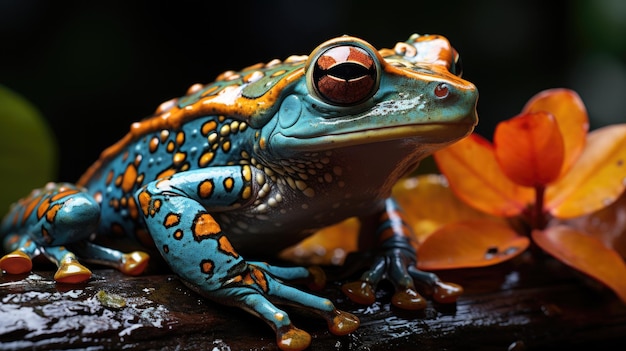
<point>268,233</point>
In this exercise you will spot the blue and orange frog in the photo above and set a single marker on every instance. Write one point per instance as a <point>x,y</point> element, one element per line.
<point>255,162</point>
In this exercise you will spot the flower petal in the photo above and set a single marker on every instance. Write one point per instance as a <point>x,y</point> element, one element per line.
<point>476,178</point>
<point>571,115</point>
<point>529,148</point>
<point>328,246</point>
<point>470,244</point>
<point>607,224</point>
<point>596,179</point>
<point>428,204</point>
<point>586,254</point>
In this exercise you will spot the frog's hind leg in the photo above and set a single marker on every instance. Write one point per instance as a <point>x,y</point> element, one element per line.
<point>44,222</point>
<point>69,269</point>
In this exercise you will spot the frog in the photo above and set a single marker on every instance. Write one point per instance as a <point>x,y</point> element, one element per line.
<point>231,173</point>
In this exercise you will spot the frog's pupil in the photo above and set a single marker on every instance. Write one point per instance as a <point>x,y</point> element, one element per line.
<point>348,71</point>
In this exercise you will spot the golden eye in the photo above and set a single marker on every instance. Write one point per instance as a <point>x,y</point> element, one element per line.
<point>345,75</point>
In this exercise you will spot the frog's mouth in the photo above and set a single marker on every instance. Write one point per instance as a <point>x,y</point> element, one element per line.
<point>436,133</point>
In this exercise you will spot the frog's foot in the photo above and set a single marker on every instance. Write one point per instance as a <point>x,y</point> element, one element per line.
<point>19,261</point>
<point>134,263</point>
<point>398,266</point>
<point>339,322</point>
<point>69,270</point>
<point>442,292</point>
<point>258,289</point>
<point>396,262</point>
<point>16,262</point>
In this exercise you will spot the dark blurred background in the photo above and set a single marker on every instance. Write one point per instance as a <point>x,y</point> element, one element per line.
<point>94,67</point>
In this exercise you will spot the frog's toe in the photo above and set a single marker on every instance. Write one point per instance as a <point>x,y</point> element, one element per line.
<point>442,292</point>
<point>342,323</point>
<point>408,299</point>
<point>360,292</point>
<point>70,271</point>
<point>292,339</point>
<point>445,292</point>
<point>134,263</point>
<point>16,262</point>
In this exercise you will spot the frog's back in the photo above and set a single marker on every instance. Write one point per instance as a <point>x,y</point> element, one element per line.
<point>213,125</point>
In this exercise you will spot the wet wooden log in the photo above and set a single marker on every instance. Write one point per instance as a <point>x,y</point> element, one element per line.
<point>511,306</point>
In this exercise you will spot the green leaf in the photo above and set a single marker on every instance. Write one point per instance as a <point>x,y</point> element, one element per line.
<point>29,154</point>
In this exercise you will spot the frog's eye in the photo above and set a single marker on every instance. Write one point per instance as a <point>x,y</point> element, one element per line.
<point>345,75</point>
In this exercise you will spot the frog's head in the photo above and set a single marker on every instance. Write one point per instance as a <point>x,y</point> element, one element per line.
<point>353,95</point>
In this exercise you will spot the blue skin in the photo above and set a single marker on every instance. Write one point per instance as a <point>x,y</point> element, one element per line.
<point>255,170</point>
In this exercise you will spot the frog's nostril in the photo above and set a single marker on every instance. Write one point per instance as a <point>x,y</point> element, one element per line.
<point>441,90</point>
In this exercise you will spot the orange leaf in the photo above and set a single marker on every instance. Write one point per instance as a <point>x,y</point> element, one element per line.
<point>529,148</point>
<point>586,254</point>
<point>470,244</point>
<point>570,113</point>
<point>476,178</point>
<point>428,204</point>
<point>596,179</point>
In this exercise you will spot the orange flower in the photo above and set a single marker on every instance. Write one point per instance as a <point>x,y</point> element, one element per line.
<point>544,168</point>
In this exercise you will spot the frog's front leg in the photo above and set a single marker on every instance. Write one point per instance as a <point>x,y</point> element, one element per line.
<point>177,213</point>
<point>396,262</point>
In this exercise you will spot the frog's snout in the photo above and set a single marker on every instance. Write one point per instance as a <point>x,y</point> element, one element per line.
<point>458,98</point>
